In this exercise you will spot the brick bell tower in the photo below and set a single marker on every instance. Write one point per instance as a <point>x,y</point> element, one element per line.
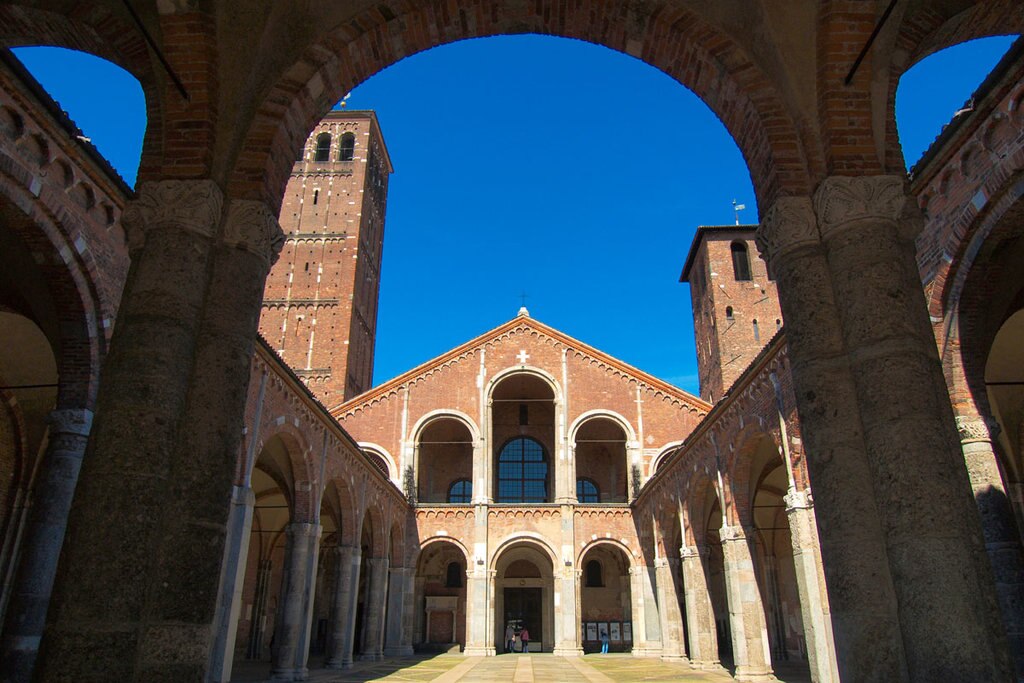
<point>735,304</point>
<point>320,301</point>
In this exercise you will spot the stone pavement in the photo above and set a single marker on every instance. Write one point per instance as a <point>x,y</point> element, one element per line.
<point>533,668</point>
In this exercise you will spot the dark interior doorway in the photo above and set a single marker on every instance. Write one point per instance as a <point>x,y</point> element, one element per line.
<point>523,607</point>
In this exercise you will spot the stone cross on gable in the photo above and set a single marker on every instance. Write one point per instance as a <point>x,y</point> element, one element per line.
<point>522,357</point>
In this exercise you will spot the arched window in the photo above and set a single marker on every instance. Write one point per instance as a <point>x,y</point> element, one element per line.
<point>586,491</point>
<point>347,149</point>
<point>522,472</point>
<point>323,147</point>
<point>728,313</point>
<point>453,576</point>
<point>461,491</point>
<point>594,578</point>
<point>740,261</point>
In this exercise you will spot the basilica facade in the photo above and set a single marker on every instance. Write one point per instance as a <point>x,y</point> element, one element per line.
<point>845,496</point>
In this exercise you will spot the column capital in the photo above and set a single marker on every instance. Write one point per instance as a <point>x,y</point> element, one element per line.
<point>189,205</point>
<point>974,428</point>
<point>798,500</point>
<point>841,201</point>
<point>305,530</point>
<point>788,224</point>
<point>729,533</point>
<point>660,562</point>
<point>73,421</point>
<point>252,226</point>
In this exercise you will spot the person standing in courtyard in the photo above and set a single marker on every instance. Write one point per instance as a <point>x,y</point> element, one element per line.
<point>524,636</point>
<point>510,638</point>
<point>604,642</point>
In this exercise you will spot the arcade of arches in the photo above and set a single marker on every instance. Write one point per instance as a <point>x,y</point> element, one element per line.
<point>195,505</point>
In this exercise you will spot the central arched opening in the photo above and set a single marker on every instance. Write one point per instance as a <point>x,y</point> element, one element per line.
<point>524,596</point>
<point>523,434</point>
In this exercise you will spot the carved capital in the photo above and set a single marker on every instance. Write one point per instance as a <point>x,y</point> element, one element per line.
<point>787,225</point>
<point>842,201</point>
<point>189,205</point>
<point>798,500</point>
<point>252,226</point>
<point>75,422</point>
<point>730,533</point>
<point>973,429</point>
<point>687,552</point>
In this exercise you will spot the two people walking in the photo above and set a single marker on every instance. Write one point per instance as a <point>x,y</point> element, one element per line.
<point>511,636</point>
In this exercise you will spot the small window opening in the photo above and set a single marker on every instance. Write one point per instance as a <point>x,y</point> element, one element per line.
<point>307,266</point>
<point>453,577</point>
<point>740,261</point>
<point>316,196</point>
<point>323,147</point>
<point>757,332</point>
<point>594,578</point>
<point>728,313</point>
<point>461,491</point>
<point>586,491</point>
<point>348,146</point>
<point>778,324</point>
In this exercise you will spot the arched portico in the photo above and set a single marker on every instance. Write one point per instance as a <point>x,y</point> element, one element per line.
<point>606,596</point>
<point>524,592</point>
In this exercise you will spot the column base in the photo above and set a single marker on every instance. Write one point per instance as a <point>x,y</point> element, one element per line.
<point>679,659</point>
<point>568,651</point>
<point>345,663</point>
<point>646,651</point>
<point>370,657</point>
<point>290,675</point>
<point>400,651</point>
<point>713,665</point>
<point>475,651</point>
<point>753,675</point>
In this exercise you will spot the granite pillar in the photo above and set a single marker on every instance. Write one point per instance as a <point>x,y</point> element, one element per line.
<point>702,635</point>
<point>298,585</point>
<point>672,647</point>
<point>44,535</point>
<point>395,644</point>
<point>342,636</point>
<point>375,609</point>
<point>751,653</point>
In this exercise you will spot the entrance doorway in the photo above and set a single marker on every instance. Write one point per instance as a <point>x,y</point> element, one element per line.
<point>523,608</point>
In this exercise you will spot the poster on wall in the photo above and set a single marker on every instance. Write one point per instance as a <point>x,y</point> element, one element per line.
<point>614,634</point>
<point>591,630</point>
<point>627,631</point>
<point>602,627</point>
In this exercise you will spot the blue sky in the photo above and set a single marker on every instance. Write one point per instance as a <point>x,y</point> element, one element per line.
<point>549,166</point>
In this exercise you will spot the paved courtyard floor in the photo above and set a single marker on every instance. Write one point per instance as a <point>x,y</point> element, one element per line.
<point>515,668</point>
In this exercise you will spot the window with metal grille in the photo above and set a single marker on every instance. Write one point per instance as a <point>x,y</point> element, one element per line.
<point>323,147</point>
<point>461,491</point>
<point>522,472</point>
<point>586,491</point>
<point>347,149</point>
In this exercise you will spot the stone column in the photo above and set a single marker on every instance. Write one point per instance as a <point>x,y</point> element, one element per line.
<point>394,636</point>
<point>375,608</point>
<point>671,616</point>
<point>751,653</point>
<point>479,587</point>
<point>567,628</point>
<point>119,592</point>
<point>860,587</point>
<point>44,536</point>
<point>339,644</point>
<point>999,526</point>
<point>948,614</point>
<point>229,607</point>
<point>810,583</point>
<point>644,605</point>
<point>292,636</point>
<point>702,635</point>
<point>408,610</point>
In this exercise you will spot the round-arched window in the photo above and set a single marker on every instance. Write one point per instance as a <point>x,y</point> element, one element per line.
<point>522,472</point>
<point>586,491</point>
<point>461,491</point>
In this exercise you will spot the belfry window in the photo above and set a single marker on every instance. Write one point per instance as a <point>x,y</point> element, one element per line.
<point>461,491</point>
<point>740,261</point>
<point>522,472</point>
<point>323,147</point>
<point>347,150</point>
<point>586,491</point>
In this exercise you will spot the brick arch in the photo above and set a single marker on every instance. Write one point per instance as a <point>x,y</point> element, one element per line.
<point>701,497</point>
<point>103,30</point>
<point>930,29</point>
<point>444,413</point>
<point>79,343</point>
<point>396,545</point>
<point>417,552</point>
<point>296,484</point>
<point>343,507</point>
<point>374,516</point>
<point>672,39</point>
<point>741,474</point>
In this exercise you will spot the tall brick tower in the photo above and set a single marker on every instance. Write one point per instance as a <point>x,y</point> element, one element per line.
<point>320,302</point>
<point>735,304</point>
